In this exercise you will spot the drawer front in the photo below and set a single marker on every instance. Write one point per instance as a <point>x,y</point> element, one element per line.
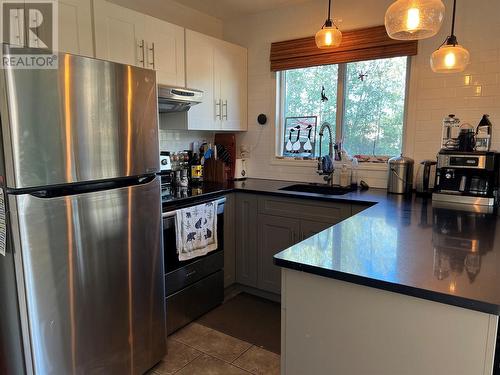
<point>329,212</point>
<point>186,275</point>
<point>192,302</point>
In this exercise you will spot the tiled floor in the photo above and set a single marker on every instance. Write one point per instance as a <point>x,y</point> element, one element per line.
<point>198,350</point>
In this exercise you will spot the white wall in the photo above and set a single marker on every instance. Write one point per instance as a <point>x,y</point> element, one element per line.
<point>176,13</point>
<point>432,96</point>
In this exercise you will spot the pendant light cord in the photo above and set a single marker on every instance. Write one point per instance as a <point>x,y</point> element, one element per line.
<point>329,21</point>
<point>451,40</point>
<point>453,19</point>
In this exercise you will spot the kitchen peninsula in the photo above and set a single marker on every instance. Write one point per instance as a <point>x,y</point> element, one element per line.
<point>405,283</point>
<point>404,287</point>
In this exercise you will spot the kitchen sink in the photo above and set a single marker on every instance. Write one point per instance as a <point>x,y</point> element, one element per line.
<point>318,189</point>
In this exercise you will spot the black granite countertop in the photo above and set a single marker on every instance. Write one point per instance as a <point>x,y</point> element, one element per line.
<point>408,245</point>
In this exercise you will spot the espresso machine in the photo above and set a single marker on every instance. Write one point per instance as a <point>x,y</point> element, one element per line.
<point>467,177</point>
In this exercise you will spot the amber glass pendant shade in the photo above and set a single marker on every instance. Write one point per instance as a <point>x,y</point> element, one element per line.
<point>450,57</point>
<point>329,36</point>
<point>414,19</point>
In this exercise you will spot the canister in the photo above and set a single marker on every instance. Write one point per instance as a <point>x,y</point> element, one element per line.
<point>400,178</point>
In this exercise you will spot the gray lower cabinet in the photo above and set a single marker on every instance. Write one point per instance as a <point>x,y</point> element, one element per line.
<point>274,235</point>
<point>309,228</point>
<point>266,225</point>
<point>246,239</point>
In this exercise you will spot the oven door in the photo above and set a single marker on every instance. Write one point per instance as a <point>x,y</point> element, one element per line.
<point>180,274</point>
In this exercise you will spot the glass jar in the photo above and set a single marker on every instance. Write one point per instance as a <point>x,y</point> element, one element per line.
<point>451,131</point>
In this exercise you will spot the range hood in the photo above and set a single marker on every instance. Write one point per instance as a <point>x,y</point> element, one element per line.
<point>177,99</point>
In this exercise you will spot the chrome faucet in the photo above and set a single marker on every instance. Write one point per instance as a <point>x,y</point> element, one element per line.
<point>327,176</point>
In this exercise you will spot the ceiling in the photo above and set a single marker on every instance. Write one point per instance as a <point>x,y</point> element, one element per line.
<point>227,9</point>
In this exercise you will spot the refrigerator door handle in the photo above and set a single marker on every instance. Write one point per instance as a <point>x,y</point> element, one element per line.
<point>68,190</point>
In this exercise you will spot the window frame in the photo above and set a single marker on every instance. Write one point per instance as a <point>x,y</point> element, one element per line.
<point>341,83</point>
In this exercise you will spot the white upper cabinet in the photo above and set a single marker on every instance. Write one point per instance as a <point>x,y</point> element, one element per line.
<point>200,52</point>
<point>165,51</point>
<point>233,86</point>
<point>125,36</point>
<point>75,27</point>
<point>220,70</point>
<point>119,34</point>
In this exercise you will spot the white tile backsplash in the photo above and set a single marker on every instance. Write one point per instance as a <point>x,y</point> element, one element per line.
<point>173,139</point>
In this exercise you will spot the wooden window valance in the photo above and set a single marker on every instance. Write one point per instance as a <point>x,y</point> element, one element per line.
<point>357,45</point>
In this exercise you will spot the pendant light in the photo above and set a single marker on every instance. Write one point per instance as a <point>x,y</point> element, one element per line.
<point>450,57</point>
<point>329,36</point>
<point>414,19</point>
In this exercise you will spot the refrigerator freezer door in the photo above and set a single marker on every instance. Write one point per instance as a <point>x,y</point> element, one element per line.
<point>87,120</point>
<point>92,267</point>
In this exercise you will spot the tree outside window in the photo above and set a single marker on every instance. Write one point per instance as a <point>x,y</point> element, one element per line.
<point>372,117</point>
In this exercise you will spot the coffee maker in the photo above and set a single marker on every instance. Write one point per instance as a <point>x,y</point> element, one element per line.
<point>467,177</point>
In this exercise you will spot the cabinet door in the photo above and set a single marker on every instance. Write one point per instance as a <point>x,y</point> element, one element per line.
<point>246,239</point>
<point>200,54</point>
<point>165,51</point>
<point>309,228</point>
<point>232,68</point>
<point>275,234</point>
<point>75,27</point>
<point>119,34</point>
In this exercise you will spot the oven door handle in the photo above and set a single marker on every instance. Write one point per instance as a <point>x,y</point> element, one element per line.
<point>173,213</point>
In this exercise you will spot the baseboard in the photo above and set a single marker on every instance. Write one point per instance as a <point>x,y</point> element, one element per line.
<point>235,289</point>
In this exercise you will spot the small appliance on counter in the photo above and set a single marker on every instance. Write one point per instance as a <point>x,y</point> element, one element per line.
<point>465,137</point>
<point>425,177</point>
<point>165,174</point>
<point>467,177</point>
<point>400,179</point>
<point>451,130</point>
<point>240,169</point>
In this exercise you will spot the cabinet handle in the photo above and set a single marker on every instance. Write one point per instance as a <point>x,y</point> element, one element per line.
<point>152,49</point>
<point>20,25</point>
<point>218,106</point>
<point>224,115</point>
<point>37,38</point>
<point>141,46</point>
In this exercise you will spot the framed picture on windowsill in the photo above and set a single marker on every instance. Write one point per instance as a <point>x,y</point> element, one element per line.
<point>300,136</point>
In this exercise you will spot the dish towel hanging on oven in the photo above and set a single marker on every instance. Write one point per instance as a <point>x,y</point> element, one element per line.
<point>196,230</point>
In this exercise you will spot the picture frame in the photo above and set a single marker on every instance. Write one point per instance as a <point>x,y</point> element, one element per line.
<point>299,138</point>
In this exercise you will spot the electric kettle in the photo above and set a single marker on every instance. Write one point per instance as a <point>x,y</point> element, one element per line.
<point>425,177</point>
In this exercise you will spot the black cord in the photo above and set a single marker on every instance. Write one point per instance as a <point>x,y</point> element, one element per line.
<point>453,19</point>
<point>330,7</point>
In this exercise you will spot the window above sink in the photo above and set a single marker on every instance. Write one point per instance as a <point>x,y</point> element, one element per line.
<point>363,101</point>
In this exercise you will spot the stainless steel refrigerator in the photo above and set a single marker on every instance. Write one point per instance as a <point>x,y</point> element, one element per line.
<point>81,284</point>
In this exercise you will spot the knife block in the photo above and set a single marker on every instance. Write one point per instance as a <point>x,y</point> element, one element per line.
<point>215,171</point>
